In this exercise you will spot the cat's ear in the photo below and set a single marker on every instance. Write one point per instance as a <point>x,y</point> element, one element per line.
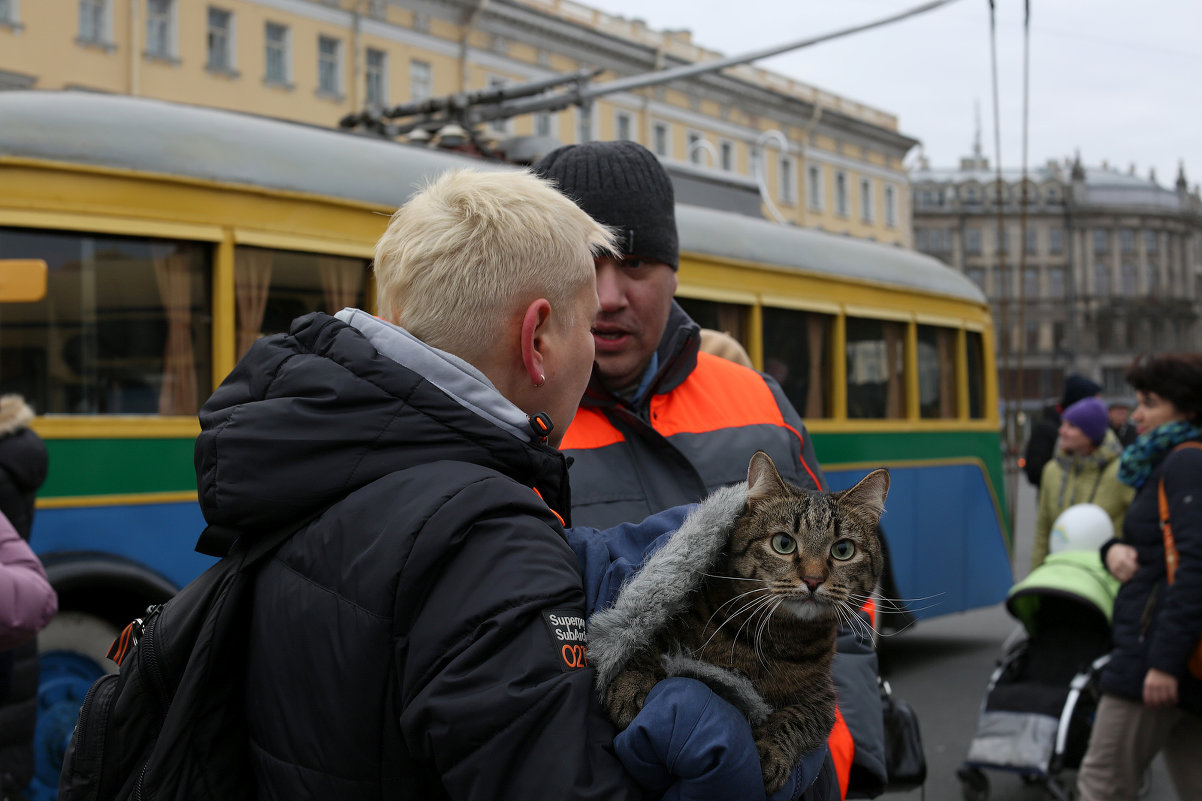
<point>867,498</point>
<point>762,478</point>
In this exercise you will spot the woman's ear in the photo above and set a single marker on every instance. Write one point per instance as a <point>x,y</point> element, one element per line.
<point>534,323</point>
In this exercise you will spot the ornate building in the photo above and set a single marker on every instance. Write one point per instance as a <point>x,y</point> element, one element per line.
<point>827,161</point>
<point>1109,266</point>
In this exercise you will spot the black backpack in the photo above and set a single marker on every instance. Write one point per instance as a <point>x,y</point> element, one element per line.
<point>170,723</point>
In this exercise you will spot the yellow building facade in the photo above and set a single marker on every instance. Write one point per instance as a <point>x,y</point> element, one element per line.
<point>827,162</point>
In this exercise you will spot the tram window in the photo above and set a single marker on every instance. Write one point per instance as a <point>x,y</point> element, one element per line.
<point>875,363</point>
<point>797,355</point>
<point>125,327</point>
<point>936,372</point>
<point>274,287</point>
<point>976,376</point>
<point>728,317</point>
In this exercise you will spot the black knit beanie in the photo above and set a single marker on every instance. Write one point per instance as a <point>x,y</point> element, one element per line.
<point>623,185</point>
<point>1077,387</point>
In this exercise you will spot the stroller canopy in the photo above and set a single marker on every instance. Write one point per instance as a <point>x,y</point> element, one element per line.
<point>1070,575</point>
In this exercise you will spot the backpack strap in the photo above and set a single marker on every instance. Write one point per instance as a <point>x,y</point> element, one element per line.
<point>1166,528</point>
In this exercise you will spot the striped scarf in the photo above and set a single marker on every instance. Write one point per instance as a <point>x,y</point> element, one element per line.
<point>1150,447</point>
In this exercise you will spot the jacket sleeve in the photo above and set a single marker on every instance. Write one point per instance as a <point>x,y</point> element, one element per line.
<point>1179,623</point>
<point>495,692</point>
<point>607,557</point>
<point>1044,501</point>
<point>27,601</point>
<point>806,457</point>
<point>855,671</point>
<point>1040,447</point>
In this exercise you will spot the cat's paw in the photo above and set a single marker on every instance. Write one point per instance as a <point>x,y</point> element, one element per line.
<point>774,764</point>
<point>625,696</point>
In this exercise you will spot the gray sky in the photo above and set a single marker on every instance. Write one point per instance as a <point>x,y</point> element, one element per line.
<point>1119,80</point>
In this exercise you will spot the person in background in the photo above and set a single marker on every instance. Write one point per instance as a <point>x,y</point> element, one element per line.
<point>1119,411</point>
<point>723,344</point>
<point>1151,704</point>
<point>23,468</point>
<point>423,634</point>
<point>1084,470</point>
<point>1041,444</point>
<point>664,423</point>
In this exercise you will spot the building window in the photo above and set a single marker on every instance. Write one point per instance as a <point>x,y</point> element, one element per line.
<point>220,40</point>
<point>623,125</point>
<point>8,12</point>
<point>543,123</point>
<point>972,241</point>
<point>1127,240</point>
<point>329,66</point>
<point>93,21</point>
<point>1032,241</point>
<point>1101,281</point>
<point>696,147</point>
<point>890,207</point>
<point>971,196</point>
<point>377,77</point>
<point>1056,282</point>
<point>160,28</point>
<point>500,125</point>
<point>977,276</point>
<point>726,156</point>
<point>867,201</point>
<point>1056,240</point>
<point>660,138</point>
<point>1100,244</point>
<point>1153,281</point>
<point>841,194</point>
<point>1031,282</point>
<point>1130,283</point>
<point>377,9</point>
<point>1032,338</point>
<point>277,60</point>
<point>421,81</point>
<point>788,192</point>
<point>1151,241</point>
<point>814,186</point>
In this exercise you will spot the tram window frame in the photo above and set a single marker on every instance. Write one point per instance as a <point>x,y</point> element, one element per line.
<point>730,318</point>
<point>938,397</point>
<point>975,379</point>
<point>119,355</point>
<point>797,353</point>
<point>869,345</point>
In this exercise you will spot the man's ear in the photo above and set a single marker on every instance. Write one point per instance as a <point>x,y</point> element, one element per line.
<point>534,326</point>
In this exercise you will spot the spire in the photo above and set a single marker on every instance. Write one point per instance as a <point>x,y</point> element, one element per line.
<point>976,142</point>
<point>1078,170</point>
<point>1182,184</point>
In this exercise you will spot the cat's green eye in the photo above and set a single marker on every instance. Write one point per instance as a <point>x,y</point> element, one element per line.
<point>783,543</point>
<point>843,550</point>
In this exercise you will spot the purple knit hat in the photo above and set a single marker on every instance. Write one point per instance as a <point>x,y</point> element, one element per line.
<point>1090,416</point>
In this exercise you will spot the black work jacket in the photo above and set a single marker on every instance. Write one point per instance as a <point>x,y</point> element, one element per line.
<point>400,644</point>
<point>1156,625</point>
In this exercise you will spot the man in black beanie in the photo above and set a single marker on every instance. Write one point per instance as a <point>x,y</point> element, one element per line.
<point>663,423</point>
<point>1041,444</point>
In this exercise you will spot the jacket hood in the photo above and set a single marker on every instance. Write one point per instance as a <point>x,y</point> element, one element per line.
<point>660,592</point>
<point>308,417</point>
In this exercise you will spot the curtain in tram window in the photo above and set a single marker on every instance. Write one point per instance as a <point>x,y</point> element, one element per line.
<point>252,284</point>
<point>946,342</point>
<point>340,281</point>
<point>173,275</point>
<point>816,337</point>
<point>894,400</point>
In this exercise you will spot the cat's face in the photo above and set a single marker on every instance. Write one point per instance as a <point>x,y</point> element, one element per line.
<point>811,551</point>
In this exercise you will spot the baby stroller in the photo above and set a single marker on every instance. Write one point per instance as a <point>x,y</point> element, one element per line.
<point>1039,705</point>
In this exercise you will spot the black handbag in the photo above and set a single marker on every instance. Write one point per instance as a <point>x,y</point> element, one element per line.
<point>905,761</point>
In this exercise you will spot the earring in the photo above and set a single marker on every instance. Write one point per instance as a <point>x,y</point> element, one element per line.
<point>542,379</point>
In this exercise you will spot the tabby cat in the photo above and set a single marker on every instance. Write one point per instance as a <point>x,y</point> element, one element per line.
<point>767,610</point>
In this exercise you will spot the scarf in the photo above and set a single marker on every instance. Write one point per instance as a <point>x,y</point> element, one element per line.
<point>1141,456</point>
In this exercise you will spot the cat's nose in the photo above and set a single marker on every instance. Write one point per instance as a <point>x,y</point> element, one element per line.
<point>812,581</point>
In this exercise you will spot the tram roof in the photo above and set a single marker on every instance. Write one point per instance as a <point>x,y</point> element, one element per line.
<point>155,136</point>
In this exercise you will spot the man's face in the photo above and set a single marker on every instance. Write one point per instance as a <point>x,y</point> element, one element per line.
<point>1118,415</point>
<point>636,297</point>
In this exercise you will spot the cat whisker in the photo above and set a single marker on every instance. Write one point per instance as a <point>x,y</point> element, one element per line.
<point>733,578</point>
<point>736,598</point>
<point>762,604</point>
<point>749,605</point>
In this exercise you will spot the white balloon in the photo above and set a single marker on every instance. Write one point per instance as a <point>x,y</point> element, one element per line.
<point>1081,527</point>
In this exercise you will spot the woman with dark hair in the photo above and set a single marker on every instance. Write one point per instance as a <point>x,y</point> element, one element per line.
<point>1151,703</point>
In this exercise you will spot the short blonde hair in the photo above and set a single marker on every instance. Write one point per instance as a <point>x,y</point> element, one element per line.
<point>473,247</point>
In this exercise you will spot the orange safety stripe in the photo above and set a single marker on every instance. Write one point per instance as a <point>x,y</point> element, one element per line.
<point>590,429</point>
<point>843,751</point>
<point>557,515</point>
<point>869,607</point>
<point>720,394</point>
